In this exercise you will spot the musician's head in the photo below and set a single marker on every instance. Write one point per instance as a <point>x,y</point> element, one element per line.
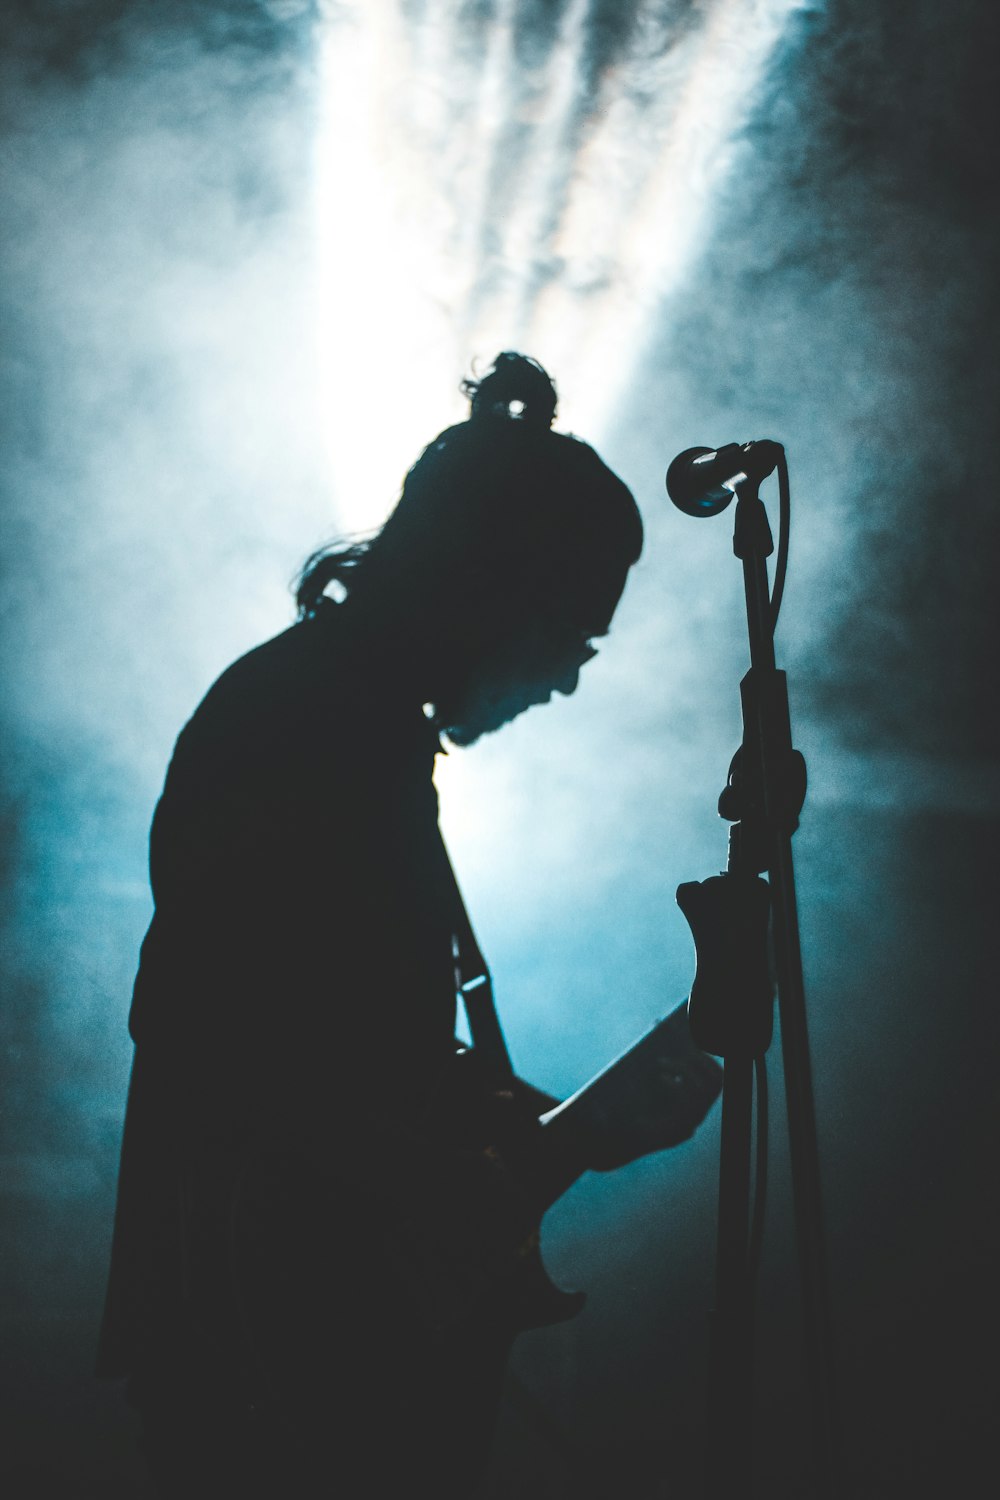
<point>503,561</point>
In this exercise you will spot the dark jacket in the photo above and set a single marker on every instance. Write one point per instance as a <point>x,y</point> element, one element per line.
<point>295,990</point>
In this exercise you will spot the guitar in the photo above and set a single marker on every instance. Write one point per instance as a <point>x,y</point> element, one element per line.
<point>653,1096</point>
<point>452,1201</point>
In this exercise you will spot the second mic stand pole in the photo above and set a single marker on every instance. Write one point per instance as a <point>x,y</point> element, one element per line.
<point>731,1017</point>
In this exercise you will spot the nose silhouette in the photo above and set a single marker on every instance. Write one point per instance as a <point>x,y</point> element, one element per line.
<point>567,684</point>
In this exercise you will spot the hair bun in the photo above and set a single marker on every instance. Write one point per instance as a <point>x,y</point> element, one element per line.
<point>516,389</point>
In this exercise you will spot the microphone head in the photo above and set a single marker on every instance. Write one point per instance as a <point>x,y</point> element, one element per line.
<point>693,486</point>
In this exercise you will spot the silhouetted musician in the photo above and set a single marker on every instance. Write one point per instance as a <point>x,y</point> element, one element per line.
<point>324,1240</point>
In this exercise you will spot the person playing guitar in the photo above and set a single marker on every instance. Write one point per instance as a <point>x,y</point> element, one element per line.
<point>326,1231</point>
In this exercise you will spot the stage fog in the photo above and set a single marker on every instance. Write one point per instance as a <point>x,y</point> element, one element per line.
<point>251,249</point>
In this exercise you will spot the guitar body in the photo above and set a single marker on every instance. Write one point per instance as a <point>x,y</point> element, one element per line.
<point>503,1266</point>
<point>435,1227</point>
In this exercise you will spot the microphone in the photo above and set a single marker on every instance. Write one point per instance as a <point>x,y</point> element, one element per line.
<point>702,481</point>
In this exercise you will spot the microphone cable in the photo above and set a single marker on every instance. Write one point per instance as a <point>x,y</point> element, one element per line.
<point>784,526</point>
<point>756,1237</point>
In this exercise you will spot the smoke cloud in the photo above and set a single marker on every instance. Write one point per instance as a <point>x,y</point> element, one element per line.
<point>250,249</point>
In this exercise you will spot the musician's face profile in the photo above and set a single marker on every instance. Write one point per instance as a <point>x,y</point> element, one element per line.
<point>544,656</point>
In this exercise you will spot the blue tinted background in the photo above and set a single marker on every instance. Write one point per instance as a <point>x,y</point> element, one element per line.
<point>225,342</point>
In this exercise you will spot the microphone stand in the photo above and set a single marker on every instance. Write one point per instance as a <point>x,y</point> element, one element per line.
<point>731,1016</point>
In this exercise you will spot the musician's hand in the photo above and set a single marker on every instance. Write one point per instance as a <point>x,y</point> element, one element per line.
<point>463,1216</point>
<point>473,1199</point>
<point>677,1094</point>
<point>655,1096</point>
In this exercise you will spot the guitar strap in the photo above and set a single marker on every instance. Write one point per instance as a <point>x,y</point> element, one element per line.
<point>475,985</point>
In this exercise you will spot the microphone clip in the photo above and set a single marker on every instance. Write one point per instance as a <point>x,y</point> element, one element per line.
<point>703,481</point>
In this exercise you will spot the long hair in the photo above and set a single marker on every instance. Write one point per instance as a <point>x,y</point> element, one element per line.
<point>335,564</point>
<point>498,502</point>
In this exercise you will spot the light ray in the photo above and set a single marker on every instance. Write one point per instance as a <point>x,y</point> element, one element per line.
<point>464,207</point>
<point>439,242</point>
